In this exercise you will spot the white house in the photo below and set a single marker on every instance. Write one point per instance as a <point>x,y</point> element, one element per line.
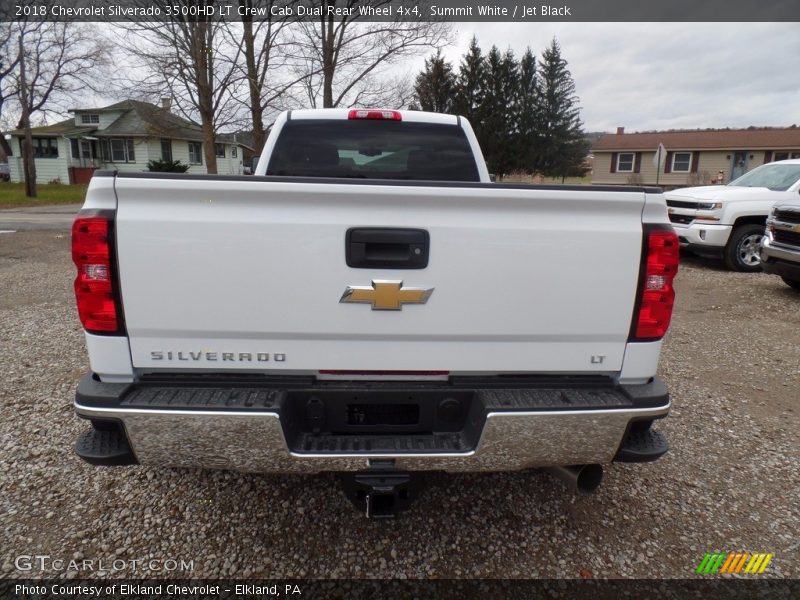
<point>124,136</point>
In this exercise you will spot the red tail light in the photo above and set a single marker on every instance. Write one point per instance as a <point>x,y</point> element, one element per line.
<point>94,284</point>
<point>375,113</point>
<point>657,295</point>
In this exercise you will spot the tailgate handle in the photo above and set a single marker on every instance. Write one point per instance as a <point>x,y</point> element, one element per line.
<point>386,248</point>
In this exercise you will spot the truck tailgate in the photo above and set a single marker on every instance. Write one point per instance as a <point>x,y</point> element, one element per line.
<point>221,274</point>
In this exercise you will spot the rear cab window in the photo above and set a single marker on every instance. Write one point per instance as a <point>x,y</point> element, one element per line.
<point>372,149</point>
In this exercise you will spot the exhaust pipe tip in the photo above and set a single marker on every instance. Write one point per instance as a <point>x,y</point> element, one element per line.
<point>584,479</point>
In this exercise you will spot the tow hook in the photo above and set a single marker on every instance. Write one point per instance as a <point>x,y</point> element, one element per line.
<point>380,492</point>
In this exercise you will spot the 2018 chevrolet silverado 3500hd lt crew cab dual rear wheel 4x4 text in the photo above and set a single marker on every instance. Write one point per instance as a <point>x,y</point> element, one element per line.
<point>369,303</point>
<point>727,221</point>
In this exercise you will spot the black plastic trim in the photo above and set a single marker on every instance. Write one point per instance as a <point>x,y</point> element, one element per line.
<point>411,247</point>
<point>106,448</point>
<point>94,393</point>
<point>642,445</point>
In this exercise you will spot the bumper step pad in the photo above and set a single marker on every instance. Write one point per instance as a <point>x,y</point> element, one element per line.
<point>642,446</point>
<point>106,448</point>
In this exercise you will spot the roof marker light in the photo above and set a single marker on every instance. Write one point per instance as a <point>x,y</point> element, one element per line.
<point>375,113</point>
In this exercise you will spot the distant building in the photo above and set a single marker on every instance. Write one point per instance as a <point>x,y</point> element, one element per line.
<point>124,136</point>
<point>689,157</point>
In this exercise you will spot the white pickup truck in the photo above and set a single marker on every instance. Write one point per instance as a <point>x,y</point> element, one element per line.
<point>369,303</point>
<point>727,221</point>
<point>780,246</point>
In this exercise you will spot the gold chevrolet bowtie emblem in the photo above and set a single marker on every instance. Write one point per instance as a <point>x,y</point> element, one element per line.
<point>386,295</point>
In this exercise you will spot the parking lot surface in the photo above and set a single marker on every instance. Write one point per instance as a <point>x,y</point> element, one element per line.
<point>729,483</point>
<point>58,217</point>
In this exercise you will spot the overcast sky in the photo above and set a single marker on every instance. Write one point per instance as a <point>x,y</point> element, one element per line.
<point>648,76</point>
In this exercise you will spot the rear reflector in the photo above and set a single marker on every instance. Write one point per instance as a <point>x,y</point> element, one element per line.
<point>372,113</point>
<point>94,284</point>
<point>654,312</point>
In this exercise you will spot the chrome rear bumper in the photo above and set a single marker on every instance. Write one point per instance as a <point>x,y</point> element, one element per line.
<point>256,441</point>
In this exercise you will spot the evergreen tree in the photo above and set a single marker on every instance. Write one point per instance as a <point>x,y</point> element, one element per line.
<point>470,84</point>
<point>434,87</point>
<point>527,115</point>
<point>498,129</point>
<point>561,144</point>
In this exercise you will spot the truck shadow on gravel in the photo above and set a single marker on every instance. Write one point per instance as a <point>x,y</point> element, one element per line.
<point>460,524</point>
<point>712,264</point>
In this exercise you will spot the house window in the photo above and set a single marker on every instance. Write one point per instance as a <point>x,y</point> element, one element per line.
<point>220,148</point>
<point>44,147</point>
<point>233,152</point>
<point>82,149</point>
<point>195,153</point>
<point>90,119</point>
<point>681,162</point>
<point>166,149</point>
<point>117,150</point>
<point>625,162</point>
<point>785,155</point>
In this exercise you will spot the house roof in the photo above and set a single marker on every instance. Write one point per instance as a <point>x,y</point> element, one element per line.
<point>138,119</point>
<point>66,127</point>
<point>727,139</point>
<point>143,118</point>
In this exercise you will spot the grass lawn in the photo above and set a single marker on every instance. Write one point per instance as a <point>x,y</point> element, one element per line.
<point>12,195</point>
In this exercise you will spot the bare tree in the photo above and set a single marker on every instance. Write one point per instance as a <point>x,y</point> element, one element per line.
<point>194,63</point>
<point>9,59</point>
<point>344,59</point>
<point>267,50</point>
<point>53,62</point>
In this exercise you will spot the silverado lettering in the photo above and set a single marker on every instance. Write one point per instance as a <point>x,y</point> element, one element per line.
<point>212,356</point>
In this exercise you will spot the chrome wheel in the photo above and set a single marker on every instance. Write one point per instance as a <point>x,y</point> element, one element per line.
<point>748,250</point>
<point>741,251</point>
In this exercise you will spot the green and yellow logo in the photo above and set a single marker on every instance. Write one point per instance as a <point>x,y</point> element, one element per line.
<point>734,562</point>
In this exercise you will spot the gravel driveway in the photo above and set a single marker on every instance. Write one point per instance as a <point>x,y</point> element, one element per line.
<point>730,482</point>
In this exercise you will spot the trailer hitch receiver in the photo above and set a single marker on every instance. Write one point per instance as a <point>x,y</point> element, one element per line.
<point>379,492</point>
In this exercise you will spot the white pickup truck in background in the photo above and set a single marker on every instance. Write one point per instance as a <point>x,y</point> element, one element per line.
<point>780,246</point>
<point>369,303</point>
<point>728,221</point>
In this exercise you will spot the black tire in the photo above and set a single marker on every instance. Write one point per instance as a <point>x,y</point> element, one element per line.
<point>792,283</point>
<point>741,253</point>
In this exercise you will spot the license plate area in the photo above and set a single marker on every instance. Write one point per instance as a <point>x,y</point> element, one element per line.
<point>378,411</point>
<point>382,414</point>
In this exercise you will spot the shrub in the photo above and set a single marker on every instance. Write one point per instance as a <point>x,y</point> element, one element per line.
<point>167,166</point>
